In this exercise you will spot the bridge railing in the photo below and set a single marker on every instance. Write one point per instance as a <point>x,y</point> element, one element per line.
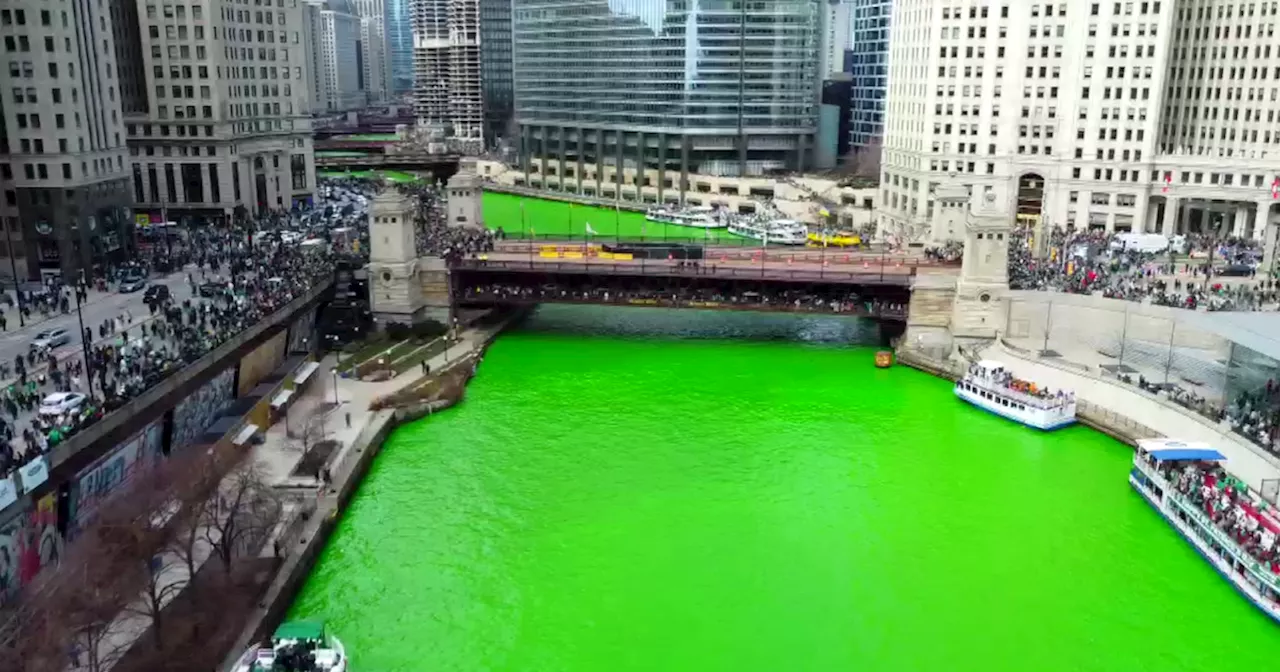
<point>623,299</point>
<point>882,275</point>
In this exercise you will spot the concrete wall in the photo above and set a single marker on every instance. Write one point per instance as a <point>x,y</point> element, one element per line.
<point>1246,460</point>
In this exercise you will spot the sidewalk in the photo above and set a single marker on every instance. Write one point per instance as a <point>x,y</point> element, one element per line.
<point>277,455</point>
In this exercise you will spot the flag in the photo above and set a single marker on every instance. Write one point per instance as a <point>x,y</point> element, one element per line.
<point>591,231</point>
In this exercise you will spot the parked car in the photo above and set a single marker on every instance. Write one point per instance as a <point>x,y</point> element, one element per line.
<point>51,338</point>
<point>212,288</point>
<point>156,294</point>
<point>59,403</point>
<point>133,284</point>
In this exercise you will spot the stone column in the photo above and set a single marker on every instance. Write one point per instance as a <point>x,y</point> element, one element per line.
<point>662,166</point>
<point>1184,224</point>
<point>1260,216</point>
<point>563,141</point>
<point>1239,223</point>
<point>1167,224</point>
<point>684,167</point>
<point>620,135</point>
<point>582,148</point>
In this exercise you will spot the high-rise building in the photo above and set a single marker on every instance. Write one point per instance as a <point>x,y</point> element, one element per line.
<point>496,77</point>
<point>446,68</point>
<point>835,37</point>
<point>374,56</point>
<point>612,94</point>
<point>64,169</point>
<point>331,39</point>
<point>868,62</point>
<point>1144,115</point>
<point>400,45</point>
<point>224,124</point>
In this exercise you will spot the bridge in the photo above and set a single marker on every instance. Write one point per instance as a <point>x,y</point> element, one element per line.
<point>447,163</point>
<point>746,301</point>
<point>77,454</point>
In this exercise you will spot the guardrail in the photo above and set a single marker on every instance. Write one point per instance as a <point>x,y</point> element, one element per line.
<point>507,300</point>
<point>707,269</point>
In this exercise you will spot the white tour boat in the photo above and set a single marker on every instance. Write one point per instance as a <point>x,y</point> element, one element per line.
<point>991,387</point>
<point>701,217</point>
<point>298,646</point>
<point>1158,464</point>
<point>775,231</point>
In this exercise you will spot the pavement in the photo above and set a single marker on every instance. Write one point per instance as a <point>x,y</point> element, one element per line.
<point>277,455</point>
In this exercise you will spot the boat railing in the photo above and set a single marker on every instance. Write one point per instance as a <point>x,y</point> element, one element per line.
<point>1044,404</point>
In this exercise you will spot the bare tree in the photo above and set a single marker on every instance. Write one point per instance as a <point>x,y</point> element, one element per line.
<point>311,432</point>
<point>240,514</point>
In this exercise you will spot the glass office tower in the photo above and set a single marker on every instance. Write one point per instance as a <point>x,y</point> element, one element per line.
<point>869,65</point>
<point>625,92</point>
<point>399,45</point>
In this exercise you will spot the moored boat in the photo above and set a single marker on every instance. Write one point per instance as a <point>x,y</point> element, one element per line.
<point>770,231</point>
<point>1228,524</point>
<point>296,646</point>
<point>991,387</point>
<point>700,217</point>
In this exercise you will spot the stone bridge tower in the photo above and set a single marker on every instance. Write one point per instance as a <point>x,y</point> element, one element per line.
<point>465,196</point>
<point>982,291</point>
<point>394,292</point>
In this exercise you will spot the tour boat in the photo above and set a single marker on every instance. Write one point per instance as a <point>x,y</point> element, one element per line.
<point>991,387</point>
<point>701,217</point>
<point>777,231</point>
<point>1157,465</point>
<point>301,646</point>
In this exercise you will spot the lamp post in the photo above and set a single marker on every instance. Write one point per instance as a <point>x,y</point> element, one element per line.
<point>84,343</point>
<point>13,266</point>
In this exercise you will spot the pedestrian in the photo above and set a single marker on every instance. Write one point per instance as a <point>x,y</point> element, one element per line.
<point>348,419</point>
<point>426,368</point>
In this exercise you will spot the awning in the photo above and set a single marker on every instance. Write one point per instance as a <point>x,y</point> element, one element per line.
<point>1186,454</point>
<point>246,433</point>
<point>282,398</point>
<point>304,372</point>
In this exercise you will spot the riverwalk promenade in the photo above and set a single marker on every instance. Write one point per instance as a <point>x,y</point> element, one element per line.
<point>358,433</point>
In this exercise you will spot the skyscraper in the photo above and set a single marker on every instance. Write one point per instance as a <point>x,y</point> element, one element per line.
<point>331,40</point>
<point>400,45</point>
<point>446,69</point>
<point>374,44</point>
<point>652,88</point>
<point>64,168</point>
<point>496,76</point>
<point>836,25</point>
<point>868,62</point>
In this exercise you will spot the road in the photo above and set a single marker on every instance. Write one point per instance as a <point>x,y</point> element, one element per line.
<point>100,307</point>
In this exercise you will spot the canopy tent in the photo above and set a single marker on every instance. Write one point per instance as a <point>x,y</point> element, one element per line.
<point>1198,454</point>
<point>304,630</point>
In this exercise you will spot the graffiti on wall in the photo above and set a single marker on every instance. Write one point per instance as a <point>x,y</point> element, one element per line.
<point>91,487</point>
<point>28,543</point>
<point>260,362</point>
<point>302,333</point>
<point>197,412</point>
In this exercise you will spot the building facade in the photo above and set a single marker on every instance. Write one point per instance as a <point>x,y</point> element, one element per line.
<point>836,36</point>
<point>333,53</point>
<point>658,90</point>
<point>227,124</point>
<point>64,170</point>
<point>1139,115</point>
<point>497,79</point>
<point>374,55</point>
<point>446,64</point>
<point>868,62</point>
<point>400,45</point>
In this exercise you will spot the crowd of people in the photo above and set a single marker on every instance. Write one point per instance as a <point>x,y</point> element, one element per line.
<point>779,299</point>
<point>1000,377</point>
<point>1094,262</point>
<point>433,234</point>
<point>1225,500</point>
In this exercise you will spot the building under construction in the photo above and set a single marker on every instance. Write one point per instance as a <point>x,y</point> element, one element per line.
<point>446,65</point>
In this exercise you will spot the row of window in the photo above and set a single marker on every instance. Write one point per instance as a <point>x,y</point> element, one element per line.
<point>1008,403</point>
<point>40,171</point>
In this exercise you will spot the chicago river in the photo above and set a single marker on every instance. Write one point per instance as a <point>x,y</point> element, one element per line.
<point>636,489</point>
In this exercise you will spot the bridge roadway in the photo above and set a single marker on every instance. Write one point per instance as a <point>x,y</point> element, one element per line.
<point>417,160</point>
<point>802,266</point>
<point>67,459</point>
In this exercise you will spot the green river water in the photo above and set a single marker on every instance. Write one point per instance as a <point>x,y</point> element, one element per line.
<point>629,489</point>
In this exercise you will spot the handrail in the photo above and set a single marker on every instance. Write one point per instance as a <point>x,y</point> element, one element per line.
<point>671,269</point>
<point>490,297</point>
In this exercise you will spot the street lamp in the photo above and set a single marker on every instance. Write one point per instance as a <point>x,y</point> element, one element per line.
<point>334,372</point>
